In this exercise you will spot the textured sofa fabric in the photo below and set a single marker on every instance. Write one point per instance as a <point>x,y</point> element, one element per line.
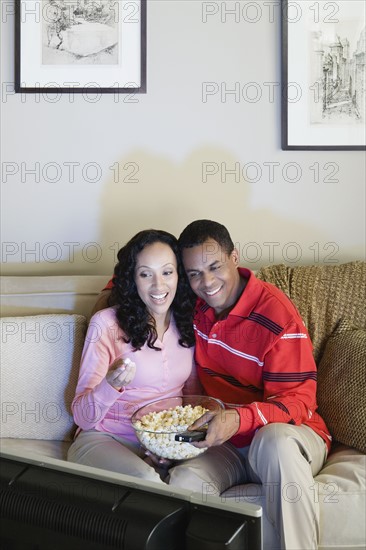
<point>40,358</point>
<point>324,295</point>
<point>342,385</point>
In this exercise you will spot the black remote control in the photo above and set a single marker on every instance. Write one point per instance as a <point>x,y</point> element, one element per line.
<point>189,437</point>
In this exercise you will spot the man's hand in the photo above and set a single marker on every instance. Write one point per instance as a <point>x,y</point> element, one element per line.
<point>121,372</point>
<point>222,426</point>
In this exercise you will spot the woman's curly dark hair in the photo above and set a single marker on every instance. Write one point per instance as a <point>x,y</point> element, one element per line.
<point>132,314</point>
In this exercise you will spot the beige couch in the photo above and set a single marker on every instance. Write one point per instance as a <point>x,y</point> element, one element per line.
<point>43,328</point>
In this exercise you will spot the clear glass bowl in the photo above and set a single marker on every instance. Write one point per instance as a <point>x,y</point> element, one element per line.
<point>158,423</point>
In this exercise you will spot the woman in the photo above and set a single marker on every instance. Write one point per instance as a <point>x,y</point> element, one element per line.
<point>137,351</point>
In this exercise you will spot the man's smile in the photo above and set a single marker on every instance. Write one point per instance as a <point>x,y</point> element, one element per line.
<point>213,292</point>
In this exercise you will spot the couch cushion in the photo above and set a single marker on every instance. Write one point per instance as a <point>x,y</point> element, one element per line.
<point>342,385</point>
<point>44,447</point>
<point>340,490</point>
<point>40,357</point>
<point>323,294</point>
<point>38,294</point>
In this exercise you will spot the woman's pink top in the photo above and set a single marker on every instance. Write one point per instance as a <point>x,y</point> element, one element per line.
<point>159,374</point>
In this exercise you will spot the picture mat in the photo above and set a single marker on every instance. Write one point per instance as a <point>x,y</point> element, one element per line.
<point>300,130</point>
<point>127,73</point>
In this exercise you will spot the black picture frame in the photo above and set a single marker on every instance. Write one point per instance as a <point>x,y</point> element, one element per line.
<point>135,18</point>
<point>299,29</point>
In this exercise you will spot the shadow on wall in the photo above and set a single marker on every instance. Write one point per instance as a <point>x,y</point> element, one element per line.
<point>147,191</point>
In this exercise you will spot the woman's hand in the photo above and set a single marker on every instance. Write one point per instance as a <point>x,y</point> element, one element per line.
<point>156,461</point>
<point>120,373</point>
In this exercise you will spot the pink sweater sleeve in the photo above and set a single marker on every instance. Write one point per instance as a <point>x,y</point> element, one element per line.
<point>94,395</point>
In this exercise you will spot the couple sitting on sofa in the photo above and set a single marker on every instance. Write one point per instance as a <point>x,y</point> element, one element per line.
<point>249,347</point>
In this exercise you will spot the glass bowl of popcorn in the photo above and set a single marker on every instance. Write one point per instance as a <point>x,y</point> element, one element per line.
<point>161,426</point>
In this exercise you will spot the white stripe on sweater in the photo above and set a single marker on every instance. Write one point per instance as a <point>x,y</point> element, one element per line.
<point>262,417</point>
<point>229,348</point>
<point>295,335</point>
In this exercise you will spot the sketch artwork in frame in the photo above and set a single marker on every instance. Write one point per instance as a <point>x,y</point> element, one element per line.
<point>68,46</point>
<point>323,75</point>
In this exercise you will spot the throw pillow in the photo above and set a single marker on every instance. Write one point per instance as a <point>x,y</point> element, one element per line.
<point>342,385</point>
<point>40,358</point>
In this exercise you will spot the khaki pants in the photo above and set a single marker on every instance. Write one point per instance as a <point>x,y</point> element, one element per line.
<point>116,454</point>
<point>284,459</point>
<point>113,453</point>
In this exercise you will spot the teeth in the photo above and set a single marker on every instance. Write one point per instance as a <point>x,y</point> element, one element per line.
<point>159,296</point>
<point>213,291</point>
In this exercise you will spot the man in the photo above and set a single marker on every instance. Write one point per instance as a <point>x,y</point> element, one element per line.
<point>254,353</point>
<point>253,350</point>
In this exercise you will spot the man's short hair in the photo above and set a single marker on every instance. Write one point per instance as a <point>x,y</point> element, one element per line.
<point>200,231</point>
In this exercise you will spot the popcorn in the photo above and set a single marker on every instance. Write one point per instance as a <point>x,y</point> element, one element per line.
<point>157,431</point>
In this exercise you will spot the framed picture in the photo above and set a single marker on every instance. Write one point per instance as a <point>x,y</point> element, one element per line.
<point>71,46</point>
<point>323,75</point>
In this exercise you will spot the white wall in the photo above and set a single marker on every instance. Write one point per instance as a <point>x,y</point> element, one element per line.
<point>167,135</point>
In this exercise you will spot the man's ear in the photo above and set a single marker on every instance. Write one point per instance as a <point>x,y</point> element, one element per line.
<point>235,256</point>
